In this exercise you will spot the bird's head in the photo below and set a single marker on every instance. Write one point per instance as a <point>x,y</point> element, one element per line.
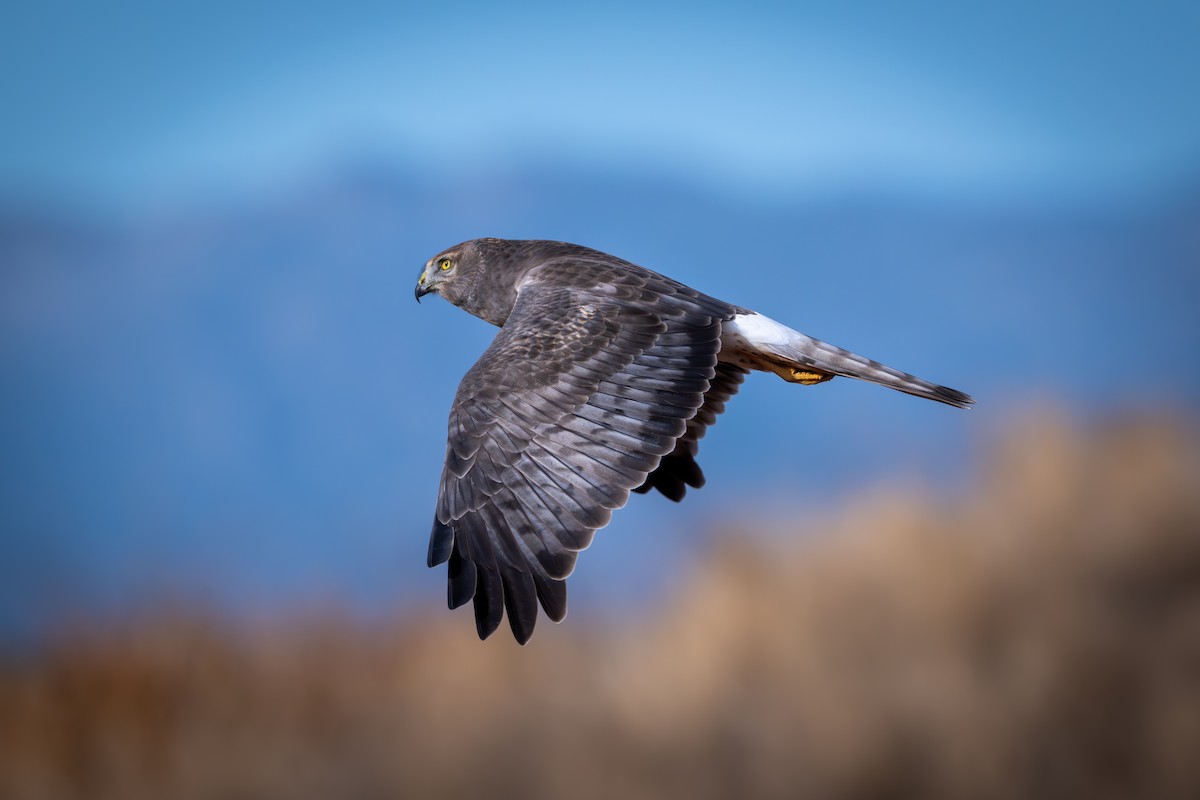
<point>450,273</point>
<point>479,276</point>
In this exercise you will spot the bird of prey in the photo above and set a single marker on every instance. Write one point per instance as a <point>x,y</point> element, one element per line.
<point>601,382</point>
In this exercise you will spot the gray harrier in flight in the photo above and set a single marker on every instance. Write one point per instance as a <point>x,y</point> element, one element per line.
<point>601,382</point>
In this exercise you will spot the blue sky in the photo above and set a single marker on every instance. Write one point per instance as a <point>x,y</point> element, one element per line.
<point>225,391</point>
<point>126,101</point>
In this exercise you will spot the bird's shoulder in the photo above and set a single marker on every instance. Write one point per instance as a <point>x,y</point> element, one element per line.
<point>582,275</point>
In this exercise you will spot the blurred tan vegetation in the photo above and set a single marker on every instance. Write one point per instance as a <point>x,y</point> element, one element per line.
<point>1038,636</point>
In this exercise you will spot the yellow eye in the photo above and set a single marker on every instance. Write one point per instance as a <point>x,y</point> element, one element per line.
<point>444,264</point>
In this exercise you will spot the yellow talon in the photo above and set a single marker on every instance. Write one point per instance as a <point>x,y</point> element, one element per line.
<point>808,378</point>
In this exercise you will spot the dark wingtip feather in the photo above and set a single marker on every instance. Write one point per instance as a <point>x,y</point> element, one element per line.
<point>441,542</point>
<point>672,476</point>
<point>553,596</point>
<point>672,487</point>
<point>461,578</point>
<point>489,602</point>
<point>520,601</point>
<point>691,473</point>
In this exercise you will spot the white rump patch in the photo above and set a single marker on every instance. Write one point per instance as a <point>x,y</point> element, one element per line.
<point>755,329</point>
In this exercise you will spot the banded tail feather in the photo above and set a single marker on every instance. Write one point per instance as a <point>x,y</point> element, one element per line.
<point>759,342</point>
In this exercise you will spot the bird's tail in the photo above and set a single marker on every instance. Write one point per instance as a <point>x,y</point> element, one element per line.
<point>802,359</point>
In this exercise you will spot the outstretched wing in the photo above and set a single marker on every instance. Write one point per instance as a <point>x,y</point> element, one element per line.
<point>590,382</point>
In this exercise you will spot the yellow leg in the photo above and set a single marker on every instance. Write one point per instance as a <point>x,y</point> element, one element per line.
<point>795,374</point>
<point>807,376</point>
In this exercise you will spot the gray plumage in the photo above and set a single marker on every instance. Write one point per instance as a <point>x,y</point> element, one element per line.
<point>601,382</point>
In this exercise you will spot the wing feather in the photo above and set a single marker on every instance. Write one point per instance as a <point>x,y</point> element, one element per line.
<point>552,594</point>
<point>520,601</point>
<point>489,602</point>
<point>461,574</point>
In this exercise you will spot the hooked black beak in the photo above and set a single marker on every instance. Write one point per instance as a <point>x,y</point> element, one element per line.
<point>423,287</point>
